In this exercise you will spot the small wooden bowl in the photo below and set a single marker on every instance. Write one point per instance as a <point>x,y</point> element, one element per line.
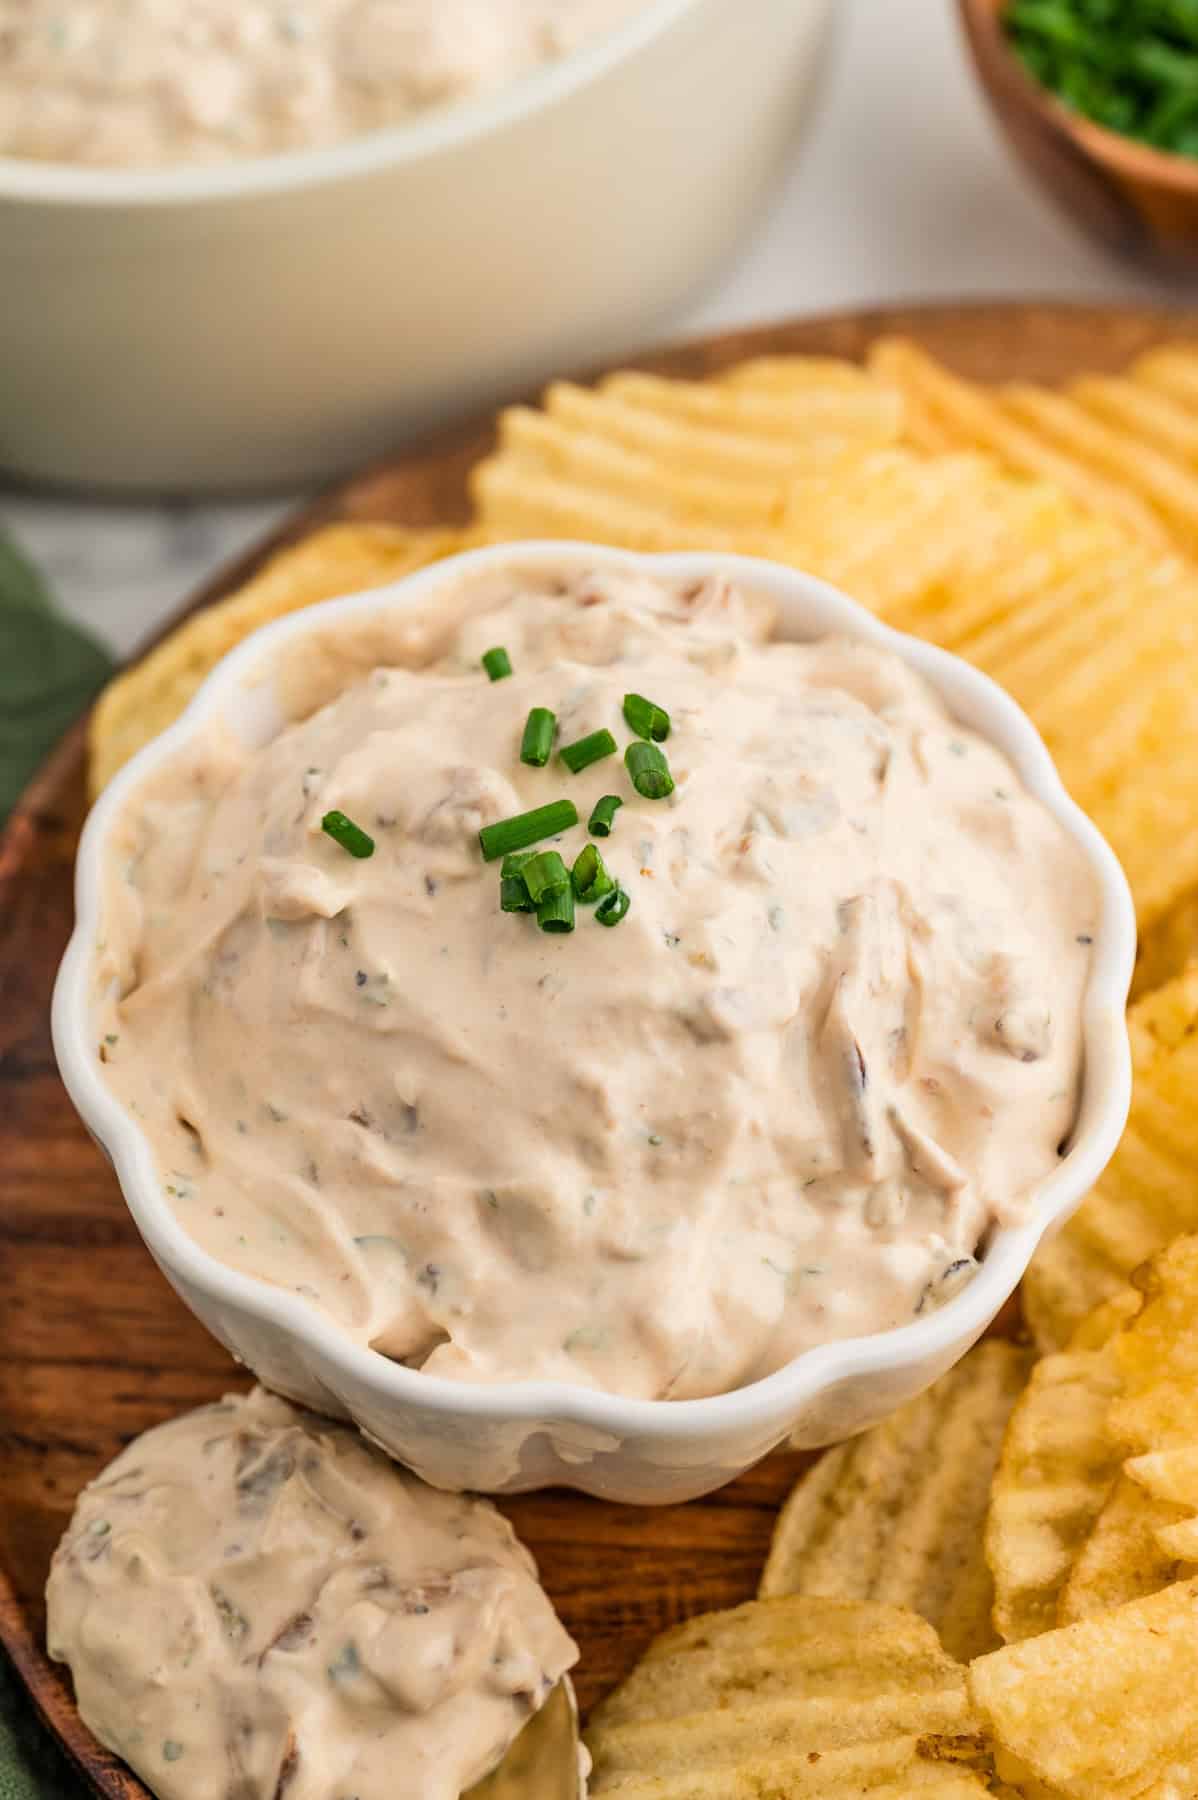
<point>1139,202</point>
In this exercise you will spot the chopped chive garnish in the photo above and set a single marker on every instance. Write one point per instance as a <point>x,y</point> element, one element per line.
<point>513,895</point>
<point>587,750</point>
<point>589,876</point>
<point>543,875</point>
<point>647,720</point>
<point>514,861</point>
<point>497,662</point>
<point>649,771</point>
<point>613,906</point>
<point>537,741</point>
<point>523,829</point>
<point>556,911</point>
<point>351,837</point>
<point>603,815</point>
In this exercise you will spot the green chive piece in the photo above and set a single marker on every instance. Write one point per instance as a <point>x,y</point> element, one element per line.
<point>613,906</point>
<point>537,741</point>
<point>523,829</point>
<point>351,837</point>
<point>556,911</point>
<point>497,662</point>
<point>543,875</point>
<point>649,771</point>
<point>514,861</point>
<point>589,876</point>
<point>587,750</point>
<point>513,895</point>
<point>646,719</point>
<point>603,815</point>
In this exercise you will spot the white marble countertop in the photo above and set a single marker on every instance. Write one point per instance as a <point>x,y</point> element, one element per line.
<point>902,190</point>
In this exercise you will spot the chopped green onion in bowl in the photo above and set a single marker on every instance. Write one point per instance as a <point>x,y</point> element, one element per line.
<point>648,771</point>
<point>351,837</point>
<point>587,750</point>
<point>589,876</point>
<point>613,906</point>
<point>526,828</point>
<point>537,741</point>
<point>513,895</point>
<point>556,911</point>
<point>544,874</point>
<point>646,719</point>
<point>1129,65</point>
<point>603,815</point>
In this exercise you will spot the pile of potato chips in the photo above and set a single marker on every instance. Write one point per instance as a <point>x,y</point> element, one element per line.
<point>792,1696</point>
<point>997,1589</point>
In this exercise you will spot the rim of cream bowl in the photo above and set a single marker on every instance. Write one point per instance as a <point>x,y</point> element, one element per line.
<point>427,134</point>
<point>1103,1103</point>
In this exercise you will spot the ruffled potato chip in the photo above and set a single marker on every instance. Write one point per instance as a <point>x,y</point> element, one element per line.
<point>1149,1191</point>
<point>896,1515</point>
<point>1153,418</point>
<point>1102,1710</point>
<point>1122,1559</point>
<point>1155,1417</point>
<point>975,416</point>
<point>1171,1477</point>
<point>790,1697</point>
<point>1165,483</point>
<point>1056,1470</point>
<point>1167,947</point>
<point>792,458</point>
<point>1158,1356</point>
<point>782,374</point>
<point>845,405</point>
<point>1172,370</point>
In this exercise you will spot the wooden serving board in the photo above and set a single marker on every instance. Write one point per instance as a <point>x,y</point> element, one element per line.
<point>95,1347</point>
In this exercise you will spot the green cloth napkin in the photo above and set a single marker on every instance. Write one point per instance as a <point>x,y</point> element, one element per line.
<point>32,1767</point>
<point>49,670</point>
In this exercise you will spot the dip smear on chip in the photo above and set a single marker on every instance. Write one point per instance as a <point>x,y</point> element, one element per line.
<point>834,1038</point>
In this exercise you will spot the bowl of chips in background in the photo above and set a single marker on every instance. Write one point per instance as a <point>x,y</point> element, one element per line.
<point>514,1436</point>
<point>266,321</point>
<point>1127,194</point>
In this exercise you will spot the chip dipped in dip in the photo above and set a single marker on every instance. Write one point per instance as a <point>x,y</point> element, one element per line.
<point>775,1088</point>
<point>253,1602</point>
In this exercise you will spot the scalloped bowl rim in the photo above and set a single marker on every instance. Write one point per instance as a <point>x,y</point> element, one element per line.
<point>773,1397</point>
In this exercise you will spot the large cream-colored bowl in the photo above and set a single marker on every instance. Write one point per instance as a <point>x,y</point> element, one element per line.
<point>276,319</point>
<point>518,1435</point>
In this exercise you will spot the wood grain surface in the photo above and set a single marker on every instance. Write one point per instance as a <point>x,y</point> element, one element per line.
<point>94,1346</point>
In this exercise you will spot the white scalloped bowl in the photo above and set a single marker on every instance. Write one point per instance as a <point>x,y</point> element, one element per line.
<point>513,1436</point>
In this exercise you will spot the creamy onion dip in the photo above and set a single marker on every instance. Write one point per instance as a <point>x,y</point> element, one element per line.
<point>255,1603</point>
<point>835,1039</point>
<point>143,82</point>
